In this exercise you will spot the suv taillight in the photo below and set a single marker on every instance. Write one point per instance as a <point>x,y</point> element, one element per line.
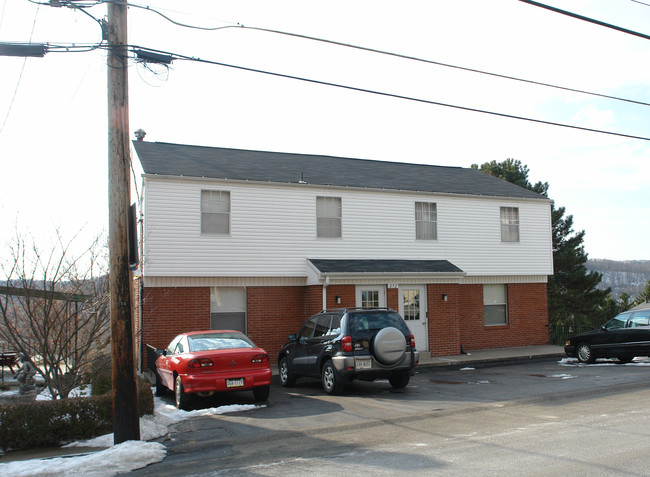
<point>200,363</point>
<point>260,358</point>
<point>412,340</point>
<point>346,343</point>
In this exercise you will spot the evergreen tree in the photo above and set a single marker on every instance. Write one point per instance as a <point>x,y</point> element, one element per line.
<point>572,293</point>
<point>644,295</point>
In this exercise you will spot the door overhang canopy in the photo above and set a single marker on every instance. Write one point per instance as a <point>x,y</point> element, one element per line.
<point>376,271</point>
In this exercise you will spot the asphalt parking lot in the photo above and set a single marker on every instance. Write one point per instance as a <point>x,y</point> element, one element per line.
<point>452,414</point>
<point>306,407</point>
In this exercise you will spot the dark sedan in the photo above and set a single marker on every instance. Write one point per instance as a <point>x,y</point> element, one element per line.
<point>624,337</point>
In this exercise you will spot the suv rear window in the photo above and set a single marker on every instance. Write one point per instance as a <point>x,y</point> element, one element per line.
<point>374,321</point>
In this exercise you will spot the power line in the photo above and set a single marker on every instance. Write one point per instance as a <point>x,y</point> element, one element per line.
<point>391,95</point>
<point>184,25</point>
<point>587,19</point>
<point>464,68</point>
<point>20,76</point>
<point>396,55</point>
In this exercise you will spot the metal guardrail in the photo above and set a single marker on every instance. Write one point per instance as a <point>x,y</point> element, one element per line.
<point>558,334</point>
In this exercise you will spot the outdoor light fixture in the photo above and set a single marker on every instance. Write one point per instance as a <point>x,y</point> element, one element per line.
<point>338,299</point>
<point>444,297</point>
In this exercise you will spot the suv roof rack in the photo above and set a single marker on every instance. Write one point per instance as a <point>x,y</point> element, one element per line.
<point>357,308</point>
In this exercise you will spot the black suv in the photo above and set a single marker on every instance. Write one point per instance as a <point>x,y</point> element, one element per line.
<point>350,343</point>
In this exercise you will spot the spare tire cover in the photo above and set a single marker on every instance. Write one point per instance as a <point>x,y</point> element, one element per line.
<point>389,346</point>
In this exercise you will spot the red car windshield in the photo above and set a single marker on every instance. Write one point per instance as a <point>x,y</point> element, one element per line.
<point>212,341</point>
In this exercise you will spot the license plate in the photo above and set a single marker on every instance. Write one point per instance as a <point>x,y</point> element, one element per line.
<point>234,383</point>
<point>365,363</point>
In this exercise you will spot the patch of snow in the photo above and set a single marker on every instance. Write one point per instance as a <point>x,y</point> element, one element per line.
<point>118,459</point>
<point>563,376</point>
<point>121,458</point>
<point>467,369</point>
<point>568,361</point>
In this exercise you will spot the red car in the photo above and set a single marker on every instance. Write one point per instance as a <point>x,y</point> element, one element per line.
<point>204,362</point>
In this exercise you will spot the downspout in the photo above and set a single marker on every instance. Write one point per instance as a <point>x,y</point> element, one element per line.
<point>327,282</point>
<point>140,305</point>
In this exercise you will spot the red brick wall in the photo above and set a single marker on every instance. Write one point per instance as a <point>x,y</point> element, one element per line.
<point>444,320</point>
<point>272,314</point>
<point>527,318</point>
<point>347,294</point>
<point>166,312</point>
<point>313,299</point>
<point>392,298</point>
<point>275,312</point>
<point>470,316</point>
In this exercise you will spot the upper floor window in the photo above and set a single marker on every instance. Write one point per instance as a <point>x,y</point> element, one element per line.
<point>426,219</point>
<point>328,217</point>
<point>215,212</point>
<point>509,224</point>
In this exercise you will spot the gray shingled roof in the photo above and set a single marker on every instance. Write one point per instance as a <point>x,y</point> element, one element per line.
<point>383,266</point>
<point>220,163</point>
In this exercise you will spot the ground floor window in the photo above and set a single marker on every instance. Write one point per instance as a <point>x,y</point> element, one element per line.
<point>371,296</point>
<point>228,308</point>
<point>495,304</point>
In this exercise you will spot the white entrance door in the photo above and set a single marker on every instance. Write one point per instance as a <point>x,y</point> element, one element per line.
<point>371,296</point>
<point>413,307</point>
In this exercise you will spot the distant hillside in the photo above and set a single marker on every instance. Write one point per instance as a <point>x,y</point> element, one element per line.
<point>628,276</point>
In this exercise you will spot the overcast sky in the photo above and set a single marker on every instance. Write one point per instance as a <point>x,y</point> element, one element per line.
<point>53,136</point>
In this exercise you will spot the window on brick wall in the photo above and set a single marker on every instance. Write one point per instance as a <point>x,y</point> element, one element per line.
<point>228,308</point>
<point>495,304</point>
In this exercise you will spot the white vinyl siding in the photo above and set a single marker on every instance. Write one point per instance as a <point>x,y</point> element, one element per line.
<point>426,218</point>
<point>272,231</point>
<point>328,217</point>
<point>509,224</point>
<point>215,212</point>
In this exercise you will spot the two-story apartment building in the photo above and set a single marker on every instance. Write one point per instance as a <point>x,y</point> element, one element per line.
<point>259,241</point>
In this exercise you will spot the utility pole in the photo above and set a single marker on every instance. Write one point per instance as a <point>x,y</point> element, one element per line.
<point>126,421</point>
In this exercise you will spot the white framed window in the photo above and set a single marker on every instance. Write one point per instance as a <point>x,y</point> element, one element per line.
<point>371,296</point>
<point>509,224</point>
<point>328,217</point>
<point>495,304</point>
<point>426,221</point>
<point>215,212</point>
<point>228,308</point>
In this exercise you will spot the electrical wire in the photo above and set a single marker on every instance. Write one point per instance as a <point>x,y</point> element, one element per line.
<point>464,68</point>
<point>391,95</point>
<point>587,19</point>
<point>2,15</point>
<point>20,76</point>
<point>184,25</point>
<point>388,53</point>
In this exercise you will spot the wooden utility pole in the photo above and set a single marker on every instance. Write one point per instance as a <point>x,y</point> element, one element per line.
<point>126,421</point>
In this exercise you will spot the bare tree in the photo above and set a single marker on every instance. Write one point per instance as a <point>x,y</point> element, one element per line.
<point>54,308</point>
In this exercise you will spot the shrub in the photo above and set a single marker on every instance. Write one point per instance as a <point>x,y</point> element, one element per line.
<point>50,423</point>
<point>100,374</point>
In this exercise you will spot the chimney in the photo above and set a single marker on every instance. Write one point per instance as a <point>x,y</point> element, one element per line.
<point>140,134</point>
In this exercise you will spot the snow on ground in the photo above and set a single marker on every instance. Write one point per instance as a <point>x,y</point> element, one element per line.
<point>605,362</point>
<point>116,459</point>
